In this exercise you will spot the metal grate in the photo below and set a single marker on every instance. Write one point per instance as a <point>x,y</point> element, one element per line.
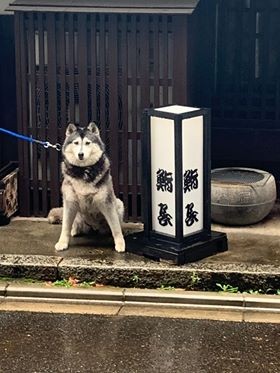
<point>236,176</point>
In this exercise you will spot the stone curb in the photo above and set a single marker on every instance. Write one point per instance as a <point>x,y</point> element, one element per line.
<point>19,292</point>
<point>193,276</point>
<point>141,297</point>
<point>38,267</point>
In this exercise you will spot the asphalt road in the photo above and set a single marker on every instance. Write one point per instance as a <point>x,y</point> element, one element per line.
<point>53,343</point>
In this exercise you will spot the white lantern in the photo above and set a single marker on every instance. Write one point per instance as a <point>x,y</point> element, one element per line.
<point>176,186</point>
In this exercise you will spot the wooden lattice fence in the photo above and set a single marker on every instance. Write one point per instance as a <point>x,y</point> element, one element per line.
<point>77,67</point>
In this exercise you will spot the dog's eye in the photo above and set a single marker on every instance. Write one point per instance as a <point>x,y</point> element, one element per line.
<point>87,143</point>
<point>76,142</point>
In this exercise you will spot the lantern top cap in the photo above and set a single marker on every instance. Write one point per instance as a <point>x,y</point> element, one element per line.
<point>177,109</point>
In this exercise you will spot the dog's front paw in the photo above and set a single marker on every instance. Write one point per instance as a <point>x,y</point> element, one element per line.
<point>61,245</point>
<point>120,245</point>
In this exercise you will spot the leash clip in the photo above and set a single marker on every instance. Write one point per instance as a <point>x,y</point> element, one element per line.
<point>56,146</point>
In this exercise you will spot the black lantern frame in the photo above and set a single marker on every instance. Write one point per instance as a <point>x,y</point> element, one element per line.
<point>179,249</point>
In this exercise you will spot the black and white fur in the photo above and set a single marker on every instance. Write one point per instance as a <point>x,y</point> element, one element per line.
<point>89,201</point>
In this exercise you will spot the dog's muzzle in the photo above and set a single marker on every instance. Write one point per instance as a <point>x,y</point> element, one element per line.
<point>81,156</point>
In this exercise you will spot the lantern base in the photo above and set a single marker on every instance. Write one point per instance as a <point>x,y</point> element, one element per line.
<point>157,249</point>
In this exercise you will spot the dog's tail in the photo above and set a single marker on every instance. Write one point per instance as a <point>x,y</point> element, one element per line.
<point>55,215</point>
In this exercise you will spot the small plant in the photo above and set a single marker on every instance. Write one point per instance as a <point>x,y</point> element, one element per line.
<point>278,292</point>
<point>195,279</point>
<point>227,288</point>
<point>87,284</point>
<point>67,283</point>
<point>251,291</point>
<point>167,287</point>
<point>136,279</point>
<point>73,282</point>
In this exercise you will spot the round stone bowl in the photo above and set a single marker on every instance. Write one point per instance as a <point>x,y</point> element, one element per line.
<point>241,196</point>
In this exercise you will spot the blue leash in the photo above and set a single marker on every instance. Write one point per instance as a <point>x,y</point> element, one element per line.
<point>45,144</point>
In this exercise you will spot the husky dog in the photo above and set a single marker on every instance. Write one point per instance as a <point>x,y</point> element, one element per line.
<point>89,201</point>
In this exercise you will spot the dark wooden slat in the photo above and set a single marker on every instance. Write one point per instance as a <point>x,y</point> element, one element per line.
<point>19,72</point>
<point>225,49</point>
<point>276,50</point>
<point>71,68</point>
<point>32,113</point>
<point>202,53</point>
<point>124,97</point>
<point>180,57</point>
<point>82,68</point>
<point>156,59</point>
<point>164,59</point>
<point>21,48</point>
<point>130,135</point>
<point>144,62</point>
<point>93,66</point>
<point>234,57</point>
<point>227,83</point>
<point>130,191</point>
<point>102,75</point>
<point>144,85</point>
<point>221,62</point>
<point>53,131</point>
<point>62,72</point>
<point>113,97</point>
<point>252,54</point>
<point>133,48</point>
<point>264,36</point>
<point>239,32</point>
<point>42,129</point>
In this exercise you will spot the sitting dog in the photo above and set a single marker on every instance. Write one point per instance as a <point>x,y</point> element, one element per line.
<point>89,201</point>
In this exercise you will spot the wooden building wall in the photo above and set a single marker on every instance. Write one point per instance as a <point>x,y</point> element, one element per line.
<point>237,74</point>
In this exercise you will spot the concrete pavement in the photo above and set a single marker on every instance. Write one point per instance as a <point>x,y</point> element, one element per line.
<point>252,261</point>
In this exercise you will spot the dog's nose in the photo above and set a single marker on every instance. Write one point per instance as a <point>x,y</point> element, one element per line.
<point>81,156</point>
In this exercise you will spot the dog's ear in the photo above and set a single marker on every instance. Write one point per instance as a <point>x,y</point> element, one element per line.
<point>92,127</point>
<point>71,129</point>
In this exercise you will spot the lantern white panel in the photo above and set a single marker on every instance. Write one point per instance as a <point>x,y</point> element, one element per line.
<point>163,176</point>
<point>192,153</point>
<point>177,109</point>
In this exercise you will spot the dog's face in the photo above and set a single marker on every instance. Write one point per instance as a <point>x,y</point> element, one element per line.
<point>82,146</point>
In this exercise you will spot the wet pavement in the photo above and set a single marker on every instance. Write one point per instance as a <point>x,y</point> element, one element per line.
<point>251,262</point>
<point>118,340</point>
<point>54,343</point>
<point>255,244</point>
